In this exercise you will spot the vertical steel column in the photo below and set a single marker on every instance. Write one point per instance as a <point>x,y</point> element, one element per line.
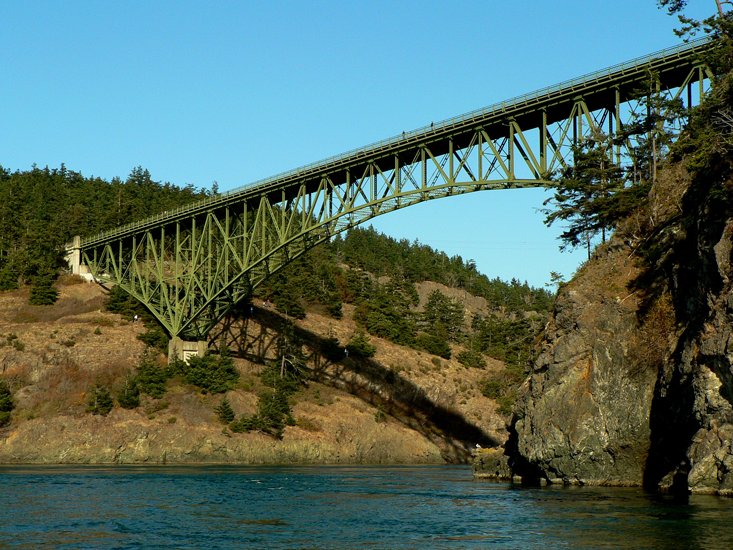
<point>451,175</point>
<point>177,319</point>
<point>543,142</point>
<point>161,266</point>
<point>226,244</point>
<point>511,150</point>
<point>424,182</point>
<point>480,154</point>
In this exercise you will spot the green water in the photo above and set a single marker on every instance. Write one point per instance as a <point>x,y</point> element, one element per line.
<point>333,507</point>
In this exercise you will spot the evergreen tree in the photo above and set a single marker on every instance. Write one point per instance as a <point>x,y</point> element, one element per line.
<point>43,293</point>
<point>129,395</point>
<point>6,403</point>
<point>580,192</point>
<point>100,401</point>
<point>360,346</point>
<point>225,412</point>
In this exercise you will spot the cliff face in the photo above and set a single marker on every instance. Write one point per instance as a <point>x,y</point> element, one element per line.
<point>634,383</point>
<point>583,413</point>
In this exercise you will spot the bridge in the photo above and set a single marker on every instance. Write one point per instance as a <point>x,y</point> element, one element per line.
<point>189,266</point>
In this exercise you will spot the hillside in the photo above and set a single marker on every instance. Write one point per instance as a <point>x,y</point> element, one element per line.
<point>400,406</point>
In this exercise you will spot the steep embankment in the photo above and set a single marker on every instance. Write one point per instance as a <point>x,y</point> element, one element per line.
<point>634,381</point>
<point>401,406</point>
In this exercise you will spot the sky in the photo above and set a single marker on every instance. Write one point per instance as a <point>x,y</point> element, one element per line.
<point>233,92</point>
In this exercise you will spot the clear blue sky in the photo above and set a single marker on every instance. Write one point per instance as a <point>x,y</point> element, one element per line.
<point>232,92</point>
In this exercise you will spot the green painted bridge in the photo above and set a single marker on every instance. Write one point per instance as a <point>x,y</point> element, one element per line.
<point>190,265</point>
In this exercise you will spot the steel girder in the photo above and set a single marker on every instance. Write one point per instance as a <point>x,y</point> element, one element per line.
<point>191,265</point>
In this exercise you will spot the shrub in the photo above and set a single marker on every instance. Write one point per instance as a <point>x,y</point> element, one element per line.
<point>6,403</point>
<point>100,401</point>
<point>151,378</point>
<point>210,373</point>
<point>43,293</point>
<point>225,412</point>
<point>332,350</point>
<point>360,346</point>
<point>472,359</point>
<point>434,344</point>
<point>129,395</point>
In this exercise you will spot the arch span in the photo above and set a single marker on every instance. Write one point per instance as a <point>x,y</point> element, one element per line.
<point>189,266</point>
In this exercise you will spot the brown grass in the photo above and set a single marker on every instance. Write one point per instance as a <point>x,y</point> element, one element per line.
<point>70,280</point>
<point>66,307</point>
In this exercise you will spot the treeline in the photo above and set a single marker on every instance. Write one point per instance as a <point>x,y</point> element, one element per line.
<point>371,251</point>
<point>41,209</point>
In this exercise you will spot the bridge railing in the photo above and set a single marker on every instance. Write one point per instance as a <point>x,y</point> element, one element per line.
<point>568,85</point>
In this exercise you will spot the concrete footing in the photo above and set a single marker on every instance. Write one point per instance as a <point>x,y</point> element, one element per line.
<point>73,258</point>
<point>184,350</point>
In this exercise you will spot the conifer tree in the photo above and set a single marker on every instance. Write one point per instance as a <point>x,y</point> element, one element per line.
<point>580,193</point>
<point>43,293</point>
<point>100,401</point>
<point>225,412</point>
<point>6,403</point>
<point>129,395</point>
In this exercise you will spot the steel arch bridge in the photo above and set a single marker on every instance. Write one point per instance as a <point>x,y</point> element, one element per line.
<point>190,265</point>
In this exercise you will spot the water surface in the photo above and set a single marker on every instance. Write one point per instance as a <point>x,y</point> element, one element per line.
<point>336,507</point>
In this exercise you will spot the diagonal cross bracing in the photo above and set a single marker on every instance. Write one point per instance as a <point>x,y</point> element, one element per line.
<point>191,264</point>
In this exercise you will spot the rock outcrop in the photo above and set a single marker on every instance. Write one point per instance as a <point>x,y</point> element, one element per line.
<point>634,382</point>
<point>582,415</point>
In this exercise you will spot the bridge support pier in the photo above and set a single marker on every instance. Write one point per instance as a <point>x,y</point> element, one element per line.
<point>181,349</point>
<point>73,258</point>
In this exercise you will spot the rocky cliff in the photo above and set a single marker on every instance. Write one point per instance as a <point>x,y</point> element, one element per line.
<point>634,381</point>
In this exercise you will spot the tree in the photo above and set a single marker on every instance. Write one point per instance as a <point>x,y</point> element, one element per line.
<point>443,317</point>
<point>6,403</point>
<point>580,192</point>
<point>225,412</point>
<point>360,346</point>
<point>129,395</point>
<point>100,401</point>
<point>43,293</point>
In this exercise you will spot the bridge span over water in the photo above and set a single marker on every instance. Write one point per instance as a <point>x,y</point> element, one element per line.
<point>190,265</point>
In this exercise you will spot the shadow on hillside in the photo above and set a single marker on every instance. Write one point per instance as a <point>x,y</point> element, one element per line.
<point>364,378</point>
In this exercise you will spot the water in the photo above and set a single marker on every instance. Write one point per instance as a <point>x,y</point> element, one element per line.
<point>442,507</point>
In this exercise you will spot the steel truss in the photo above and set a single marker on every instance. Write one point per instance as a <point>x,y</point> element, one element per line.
<point>190,266</point>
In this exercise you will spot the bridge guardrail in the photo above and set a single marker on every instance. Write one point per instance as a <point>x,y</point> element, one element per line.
<point>614,70</point>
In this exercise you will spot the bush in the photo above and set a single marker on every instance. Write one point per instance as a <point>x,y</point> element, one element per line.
<point>471,359</point>
<point>360,346</point>
<point>6,403</point>
<point>434,344</point>
<point>225,412</point>
<point>43,293</point>
<point>332,350</point>
<point>494,387</point>
<point>151,378</point>
<point>100,401</point>
<point>129,395</point>
<point>210,373</point>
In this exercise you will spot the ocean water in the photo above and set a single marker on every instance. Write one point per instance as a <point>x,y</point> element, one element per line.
<point>336,507</point>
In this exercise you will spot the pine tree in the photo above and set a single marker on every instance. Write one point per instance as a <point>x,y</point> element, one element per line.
<point>129,395</point>
<point>100,401</point>
<point>580,192</point>
<point>43,293</point>
<point>6,403</point>
<point>225,412</point>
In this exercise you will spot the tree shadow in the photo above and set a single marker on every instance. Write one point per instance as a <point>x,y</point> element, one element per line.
<point>258,337</point>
